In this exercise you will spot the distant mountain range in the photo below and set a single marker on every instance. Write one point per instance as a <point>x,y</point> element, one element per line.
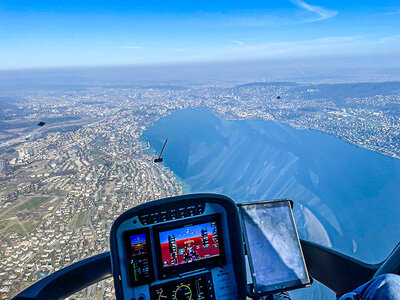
<point>261,84</point>
<point>337,92</point>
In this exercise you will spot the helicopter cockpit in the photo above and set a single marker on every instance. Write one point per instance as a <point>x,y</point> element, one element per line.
<point>205,246</point>
<point>179,248</point>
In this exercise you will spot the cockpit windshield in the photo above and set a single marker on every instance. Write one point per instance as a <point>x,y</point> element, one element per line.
<point>104,106</point>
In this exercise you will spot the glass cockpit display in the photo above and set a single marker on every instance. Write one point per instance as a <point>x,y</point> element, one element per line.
<point>190,243</point>
<point>275,256</point>
<point>139,257</point>
<point>198,287</point>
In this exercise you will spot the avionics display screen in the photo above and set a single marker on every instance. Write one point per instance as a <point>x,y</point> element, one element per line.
<point>139,257</point>
<point>273,246</point>
<point>189,243</point>
<point>198,287</point>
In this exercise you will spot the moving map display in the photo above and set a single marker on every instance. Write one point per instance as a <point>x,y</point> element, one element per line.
<point>188,244</point>
<point>273,246</point>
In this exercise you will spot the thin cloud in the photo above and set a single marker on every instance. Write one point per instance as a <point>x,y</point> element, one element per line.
<point>240,43</point>
<point>322,13</point>
<point>395,12</point>
<point>335,44</point>
<point>389,39</point>
<point>319,13</point>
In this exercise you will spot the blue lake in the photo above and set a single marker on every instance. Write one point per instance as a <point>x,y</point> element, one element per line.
<point>346,197</point>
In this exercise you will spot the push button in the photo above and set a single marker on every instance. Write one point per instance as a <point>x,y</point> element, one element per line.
<point>164,216</point>
<point>200,209</point>
<point>190,211</point>
<point>172,214</point>
<point>154,218</point>
<point>144,219</point>
<point>181,212</point>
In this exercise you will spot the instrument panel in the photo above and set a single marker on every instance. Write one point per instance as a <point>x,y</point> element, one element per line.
<point>177,248</point>
<point>198,287</point>
<point>188,245</point>
<point>139,257</point>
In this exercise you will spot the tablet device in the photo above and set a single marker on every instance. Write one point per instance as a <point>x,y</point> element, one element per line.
<point>275,256</point>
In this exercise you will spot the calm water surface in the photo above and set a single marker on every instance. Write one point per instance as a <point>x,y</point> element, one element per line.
<point>346,197</point>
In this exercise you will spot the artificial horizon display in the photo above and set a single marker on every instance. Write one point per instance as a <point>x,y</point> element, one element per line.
<point>140,263</point>
<point>189,244</point>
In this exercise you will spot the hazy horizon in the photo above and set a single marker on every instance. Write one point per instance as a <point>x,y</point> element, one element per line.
<point>305,70</point>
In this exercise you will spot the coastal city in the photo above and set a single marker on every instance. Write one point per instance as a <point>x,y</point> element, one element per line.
<point>63,184</point>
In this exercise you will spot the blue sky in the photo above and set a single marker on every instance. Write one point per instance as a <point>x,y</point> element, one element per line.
<point>97,33</point>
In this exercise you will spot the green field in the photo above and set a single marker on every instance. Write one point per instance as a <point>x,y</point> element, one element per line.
<point>81,219</point>
<point>96,152</point>
<point>99,161</point>
<point>23,227</point>
<point>5,224</point>
<point>7,187</point>
<point>34,203</point>
<point>60,193</point>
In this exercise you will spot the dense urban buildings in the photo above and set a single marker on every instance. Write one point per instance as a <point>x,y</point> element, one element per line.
<point>63,184</point>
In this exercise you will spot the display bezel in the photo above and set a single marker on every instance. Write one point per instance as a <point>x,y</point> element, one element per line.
<point>127,235</point>
<point>172,271</point>
<point>283,286</point>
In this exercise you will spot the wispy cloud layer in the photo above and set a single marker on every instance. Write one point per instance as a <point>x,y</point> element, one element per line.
<point>240,43</point>
<point>293,47</point>
<point>389,39</point>
<point>394,12</point>
<point>322,13</point>
<point>334,45</point>
<point>308,47</point>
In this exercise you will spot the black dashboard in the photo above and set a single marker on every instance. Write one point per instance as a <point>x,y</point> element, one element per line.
<point>187,247</point>
<point>140,272</point>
